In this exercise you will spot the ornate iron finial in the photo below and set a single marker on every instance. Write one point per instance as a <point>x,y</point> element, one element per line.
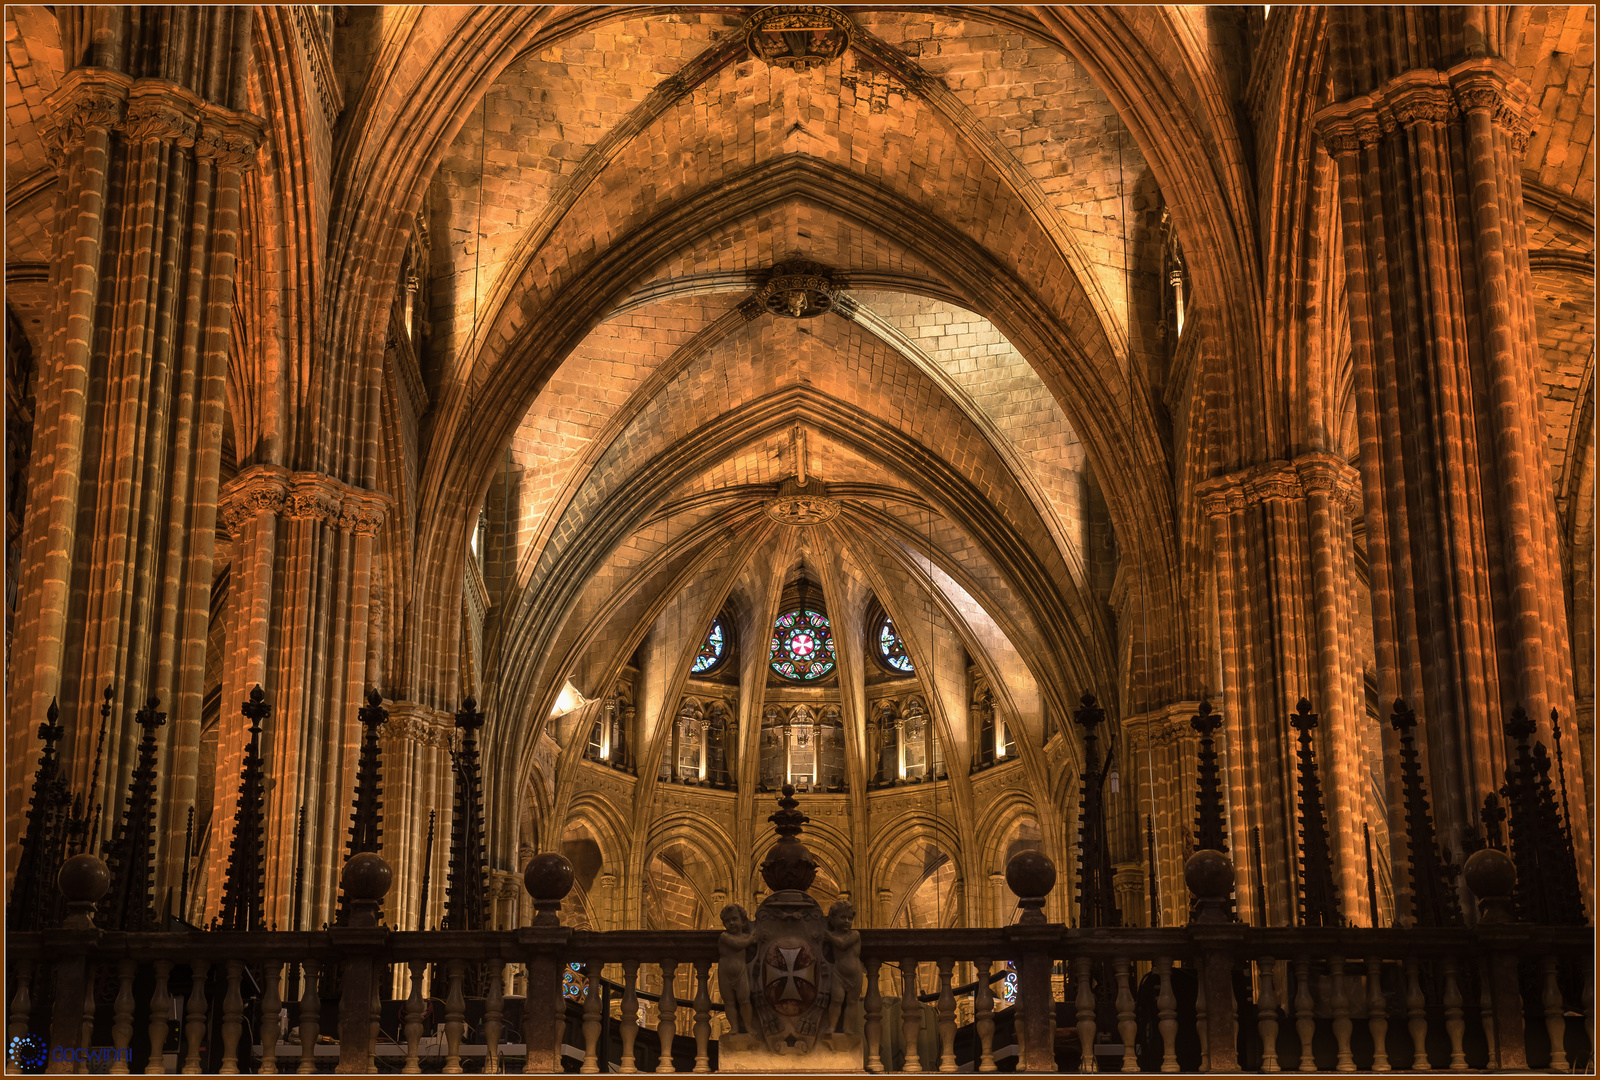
<point>1372,875</point>
<point>1319,902</point>
<point>243,903</point>
<point>366,818</point>
<point>296,907</point>
<point>1209,830</point>
<point>34,899</point>
<point>466,902</point>
<point>1097,898</point>
<point>188,857</point>
<point>127,905</point>
<point>1547,888</point>
<point>1433,890</point>
<point>1494,815</point>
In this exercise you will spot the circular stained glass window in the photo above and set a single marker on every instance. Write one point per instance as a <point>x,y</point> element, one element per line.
<point>802,645</point>
<point>574,983</point>
<point>892,650</point>
<point>713,652</point>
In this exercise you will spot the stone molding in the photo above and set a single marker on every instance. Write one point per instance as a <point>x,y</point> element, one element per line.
<point>1281,480</point>
<point>1165,726</point>
<point>1426,96</point>
<point>270,489</point>
<point>319,60</point>
<point>419,724</point>
<point>144,110</point>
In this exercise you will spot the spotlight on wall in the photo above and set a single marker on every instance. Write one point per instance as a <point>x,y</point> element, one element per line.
<point>568,700</point>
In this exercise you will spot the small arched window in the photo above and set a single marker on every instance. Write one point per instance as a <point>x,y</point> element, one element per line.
<point>890,649</point>
<point>713,651</point>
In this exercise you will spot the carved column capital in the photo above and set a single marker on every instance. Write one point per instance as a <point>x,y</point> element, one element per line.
<point>1490,84</point>
<point>87,99</point>
<point>314,496</point>
<point>363,512</point>
<point>159,110</point>
<point>419,724</point>
<point>1161,727</point>
<point>1327,474</point>
<point>260,489</point>
<point>230,139</point>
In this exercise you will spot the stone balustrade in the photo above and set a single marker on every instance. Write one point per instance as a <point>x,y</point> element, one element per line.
<point>1215,995</point>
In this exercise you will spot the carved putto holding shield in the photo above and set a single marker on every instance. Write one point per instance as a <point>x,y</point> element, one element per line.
<point>801,972</point>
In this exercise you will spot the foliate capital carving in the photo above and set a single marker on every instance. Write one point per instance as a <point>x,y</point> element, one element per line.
<point>416,723</point>
<point>1338,135</point>
<point>1490,84</point>
<point>1220,497</point>
<point>363,512</point>
<point>229,139</point>
<point>159,110</point>
<point>260,489</point>
<point>87,99</point>
<point>1412,105</point>
<point>1166,726</point>
<point>314,496</point>
<point>1326,474</point>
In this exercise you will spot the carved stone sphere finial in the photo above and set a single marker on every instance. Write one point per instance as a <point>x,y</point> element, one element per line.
<point>1492,877</point>
<point>1031,875</point>
<point>1209,875</point>
<point>84,879</point>
<point>366,877</point>
<point>548,877</point>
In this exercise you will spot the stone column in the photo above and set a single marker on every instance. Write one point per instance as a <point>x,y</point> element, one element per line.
<point>118,543</point>
<point>1162,748</point>
<point>303,567</point>
<point>1286,617</point>
<point>1467,599</point>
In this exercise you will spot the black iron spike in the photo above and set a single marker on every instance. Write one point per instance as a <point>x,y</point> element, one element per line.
<point>1561,772</point>
<point>127,906</point>
<point>1434,899</point>
<point>299,870</point>
<point>1210,832</point>
<point>243,899</point>
<point>1150,862</point>
<point>1261,875</point>
<point>427,874</point>
<point>1372,876</point>
<point>1319,900</point>
<point>188,861</point>
<point>466,902</point>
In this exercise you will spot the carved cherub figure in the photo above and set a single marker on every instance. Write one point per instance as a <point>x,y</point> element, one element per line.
<point>847,969</point>
<point>732,977</point>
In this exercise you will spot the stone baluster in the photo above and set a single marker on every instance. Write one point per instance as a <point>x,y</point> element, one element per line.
<point>1377,1014</point>
<point>21,1002</point>
<point>874,1018</point>
<point>1416,1017</point>
<point>160,1008</point>
<point>1081,967</point>
<point>947,1016</point>
<point>310,1015</point>
<point>591,1018</point>
<point>983,1017</point>
<point>910,1014</point>
<point>1201,1027</point>
<point>702,1017</point>
<point>90,1004</point>
<point>1217,936</point>
<point>1167,1015</point>
<point>630,1014</point>
<point>1127,1023</point>
<point>1555,1016</point>
<point>122,1017</point>
<point>194,1020</point>
<point>494,1016</point>
<point>232,1019</point>
<point>1454,1026</point>
<point>271,1028</point>
<point>667,1019</point>
<point>1267,1012</point>
<point>455,1016</point>
<point>374,1010</point>
<point>1345,1062</point>
<point>1486,1012</point>
<point>1492,877</point>
<point>413,1020</point>
<point>1304,1013</point>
